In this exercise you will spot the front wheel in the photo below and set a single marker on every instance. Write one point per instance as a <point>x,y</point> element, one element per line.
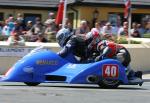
<point>109,84</point>
<point>31,83</point>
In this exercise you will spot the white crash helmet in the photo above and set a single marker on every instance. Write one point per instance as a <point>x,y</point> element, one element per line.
<point>62,36</point>
<point>93,36</point>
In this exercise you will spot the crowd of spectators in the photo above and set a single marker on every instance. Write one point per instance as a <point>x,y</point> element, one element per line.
<point>137,30</point>
<point>17,30</point>
<point>107,30</point>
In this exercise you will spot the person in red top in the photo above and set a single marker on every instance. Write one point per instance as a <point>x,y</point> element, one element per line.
<point>108,49</point>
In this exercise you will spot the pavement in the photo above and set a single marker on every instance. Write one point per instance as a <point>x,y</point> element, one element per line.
<point>74,93</point>
<point>146,77</point>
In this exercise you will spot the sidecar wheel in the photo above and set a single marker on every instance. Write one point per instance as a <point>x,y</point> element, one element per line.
<point>109,84</point>
<point>31,83</point>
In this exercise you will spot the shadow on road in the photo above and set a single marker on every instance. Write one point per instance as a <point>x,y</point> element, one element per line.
<point>75,86</point>
<point>96,87</point>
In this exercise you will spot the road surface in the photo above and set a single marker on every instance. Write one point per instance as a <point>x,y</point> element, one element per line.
<point>65,93</point>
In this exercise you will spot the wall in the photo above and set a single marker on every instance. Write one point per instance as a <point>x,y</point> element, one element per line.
<point>85,12</point>
<point>7,61</point>
<point>140,58</point>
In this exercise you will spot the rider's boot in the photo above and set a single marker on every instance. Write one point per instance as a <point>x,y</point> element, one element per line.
<point>138,74</point>
<point>135,77</point>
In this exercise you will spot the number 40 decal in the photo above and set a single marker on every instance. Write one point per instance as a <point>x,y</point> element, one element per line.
<point>110,71</point>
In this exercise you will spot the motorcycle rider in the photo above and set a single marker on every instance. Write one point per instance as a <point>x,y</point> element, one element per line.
<point>70,43</point>
<point>93,38</point>
<point>109,49</point>
<point>79,45</point>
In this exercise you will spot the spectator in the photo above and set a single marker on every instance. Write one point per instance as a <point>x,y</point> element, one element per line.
<point>32,38</point>
<point>18,27</point>
<point>125,23</point>
<point>103,23</point>
<point>83,29</point>
<point>50,20</point>
<point>38,27</point>
<point>20,18</point>
<point>11,25</point>
<point>1,27</point>
<point>29,25</point>
<point>11,19</point>
<point>50,32</point>
<point>123,31</point>
<point>38,38</point>
<point>148,27</point>
<point>60,26</point>
<point>28,30</point>
<point>117,26</point>
<point>5,28</point>
<point>107,29</point>
<point>134,31</point>
<point>140,30</point>
<point>97,28</point>
<point>41,38</point>
<point>68,24</point>
<point>16,38</point>
<point>8,28</point>
<point>142,27</point>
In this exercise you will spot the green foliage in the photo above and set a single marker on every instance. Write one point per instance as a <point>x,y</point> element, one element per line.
<point>123,40</point>
<point>135,42</point>
<point>147,35</point>
<point>3,38</point>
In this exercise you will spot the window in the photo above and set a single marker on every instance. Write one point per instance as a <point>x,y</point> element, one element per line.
<point>136,17</point>
<point>115,18</point>
<point>1,16</point>
<point>31,17</point>
<point>71,17</point>
<point>139,17</point>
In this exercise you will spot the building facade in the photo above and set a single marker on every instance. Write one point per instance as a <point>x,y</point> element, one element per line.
<point>28,8</point>
<point>106,10</point>
<point>91,10</point>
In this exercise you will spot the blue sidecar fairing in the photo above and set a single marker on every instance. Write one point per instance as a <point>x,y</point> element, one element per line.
<point>45,66</point>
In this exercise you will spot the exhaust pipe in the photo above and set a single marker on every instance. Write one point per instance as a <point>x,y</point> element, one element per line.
<point>93,79</point>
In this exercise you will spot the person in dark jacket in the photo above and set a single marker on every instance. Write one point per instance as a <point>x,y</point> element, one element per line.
<point>71,43</point>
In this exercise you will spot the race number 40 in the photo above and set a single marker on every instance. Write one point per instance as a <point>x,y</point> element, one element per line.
<point>110,71</point>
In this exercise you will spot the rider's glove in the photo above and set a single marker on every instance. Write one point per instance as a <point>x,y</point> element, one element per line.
<point>98,58</point>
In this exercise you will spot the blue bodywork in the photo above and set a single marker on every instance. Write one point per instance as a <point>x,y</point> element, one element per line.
<point>45,66</point>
